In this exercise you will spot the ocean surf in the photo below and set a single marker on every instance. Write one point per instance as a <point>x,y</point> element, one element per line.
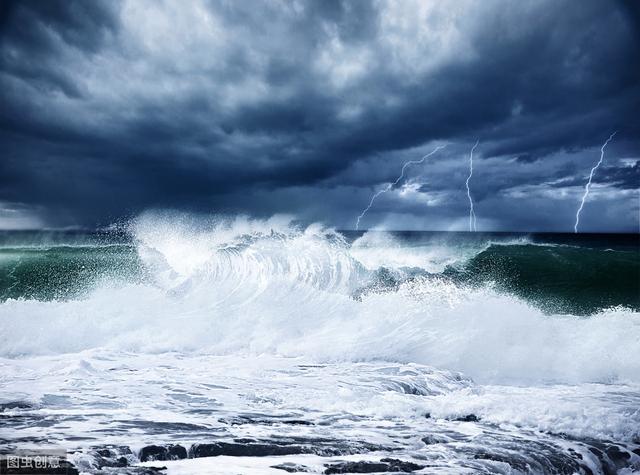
<point>251,346</point>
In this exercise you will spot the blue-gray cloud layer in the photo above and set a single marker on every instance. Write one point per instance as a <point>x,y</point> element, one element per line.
<point>308,107</point>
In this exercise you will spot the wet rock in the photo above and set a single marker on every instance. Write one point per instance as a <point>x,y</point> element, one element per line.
<point>102,462</point>
<point>575,454</point>
<point>384,465</point>
<point>532,457</point>
<point>114,457</point>
<point>162,452</point>
<point>357,467</point>
<point>137,471</point>
<point>402,466</point>
<point>278,445</point>
<point>514,462</point>
<point>245,450</point>
<point>434,439</point>
<point>617,455</point>
<point>612,457</point>
<point>468,418</point>
<point>598,453</point>
<point>291,467</point>
<point>110,456</point>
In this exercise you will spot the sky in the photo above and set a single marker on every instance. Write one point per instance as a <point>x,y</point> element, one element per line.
<point>308,108</point>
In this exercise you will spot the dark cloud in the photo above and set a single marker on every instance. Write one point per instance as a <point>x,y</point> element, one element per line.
<point>109,108</point>
<point>626,178</point>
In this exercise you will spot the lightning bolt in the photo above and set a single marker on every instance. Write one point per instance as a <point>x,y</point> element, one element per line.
<point>472,213</point>
<point>391,185</point>
<point>588,185</point>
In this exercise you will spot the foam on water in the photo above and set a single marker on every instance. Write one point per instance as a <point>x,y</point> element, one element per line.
<point>266,334</point>
<point>252,287</point>
<point>375,250</point>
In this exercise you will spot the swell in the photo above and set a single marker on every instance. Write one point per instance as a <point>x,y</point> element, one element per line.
<point>61,272</point>
<point>557,279</point>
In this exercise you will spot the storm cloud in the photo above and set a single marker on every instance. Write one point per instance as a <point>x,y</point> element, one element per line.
<point>110,108</point>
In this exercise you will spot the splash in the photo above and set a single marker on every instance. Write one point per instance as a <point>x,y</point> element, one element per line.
<point>588,185</point>
<point>253,287</point>
<point>391,185</point>
<point>472,214</point>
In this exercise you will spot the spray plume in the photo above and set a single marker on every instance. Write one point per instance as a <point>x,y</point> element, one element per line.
<point>472,213</point>
<point>391,185</point>
<point>588,185</point>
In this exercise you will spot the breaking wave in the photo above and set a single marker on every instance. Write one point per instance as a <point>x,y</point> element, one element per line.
<point>241,286</point>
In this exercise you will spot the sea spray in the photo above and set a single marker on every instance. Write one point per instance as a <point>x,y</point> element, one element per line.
<point>252,287</point>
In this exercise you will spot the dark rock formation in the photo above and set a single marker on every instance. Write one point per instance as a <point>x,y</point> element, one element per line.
<point>468,418</point>
<point>384,465</point>
<point>291,467</point>
<point>245,450</point>
<point>162,452</point>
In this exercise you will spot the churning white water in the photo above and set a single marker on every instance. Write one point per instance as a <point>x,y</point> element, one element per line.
<point>242,326</point>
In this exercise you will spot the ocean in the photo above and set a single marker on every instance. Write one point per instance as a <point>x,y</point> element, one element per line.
<point>232,345</point>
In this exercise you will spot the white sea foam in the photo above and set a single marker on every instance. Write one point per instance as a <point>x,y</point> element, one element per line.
<point>375,250</point>
<point>251,287</point>
<point>260,331</point>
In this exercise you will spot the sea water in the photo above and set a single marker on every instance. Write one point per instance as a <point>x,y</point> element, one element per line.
<point>266,343</point>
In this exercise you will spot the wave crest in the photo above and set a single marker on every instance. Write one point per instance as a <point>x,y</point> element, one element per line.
<point>250,287</point>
